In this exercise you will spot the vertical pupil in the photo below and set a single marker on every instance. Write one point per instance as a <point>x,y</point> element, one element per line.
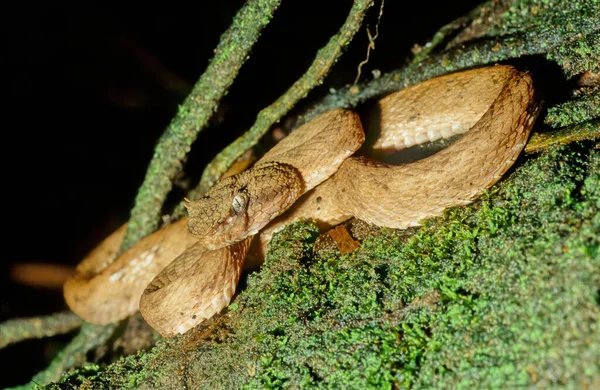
<point>239,203</point>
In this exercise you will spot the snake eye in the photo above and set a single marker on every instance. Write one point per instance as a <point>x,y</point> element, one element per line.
<point>240,201</point>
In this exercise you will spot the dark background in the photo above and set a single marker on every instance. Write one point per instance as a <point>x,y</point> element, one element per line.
<point>88,89</point>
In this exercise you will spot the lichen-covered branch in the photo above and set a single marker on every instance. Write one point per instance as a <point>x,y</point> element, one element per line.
<point>74,354</point>
<point>583,131</point>
<point>13,331</point>
<point>326,57</point>
<point>193,115</point>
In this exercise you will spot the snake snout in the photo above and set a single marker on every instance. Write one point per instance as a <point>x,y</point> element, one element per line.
<point>239,206</point>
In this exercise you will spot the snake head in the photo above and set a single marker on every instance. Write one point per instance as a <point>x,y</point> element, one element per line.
<point>239,206</point>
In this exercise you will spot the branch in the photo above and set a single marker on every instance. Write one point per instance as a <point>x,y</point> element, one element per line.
<point>231,53</point>
<point>584,131</point>
<point>74,354</point>
<point>14,331</point>
<point>325,59</point>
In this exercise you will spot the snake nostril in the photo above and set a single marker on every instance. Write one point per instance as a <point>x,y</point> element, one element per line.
<point>152,288</point>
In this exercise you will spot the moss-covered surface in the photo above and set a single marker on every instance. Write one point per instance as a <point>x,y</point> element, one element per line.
<point>574,111</point>
<point>501,293</point>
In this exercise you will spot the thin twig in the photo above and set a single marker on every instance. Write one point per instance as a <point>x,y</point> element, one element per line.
<point>193,115</point>
<point>13,331</point>
<point>371,45</point>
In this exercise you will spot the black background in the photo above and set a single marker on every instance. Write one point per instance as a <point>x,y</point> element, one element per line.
<point>88,88</point>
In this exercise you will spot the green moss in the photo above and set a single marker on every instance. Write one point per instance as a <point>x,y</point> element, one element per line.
<point>581,55</point>
<point>501,293</point>
<point>538,20</point>
<point>517,303</point>
<point>574,111</point>
<point>127,373</point>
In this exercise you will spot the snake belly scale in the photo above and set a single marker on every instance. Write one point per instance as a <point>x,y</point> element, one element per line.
<point>188,271</point>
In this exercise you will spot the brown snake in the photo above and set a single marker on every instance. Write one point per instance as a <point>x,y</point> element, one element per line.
<point>311,173</point>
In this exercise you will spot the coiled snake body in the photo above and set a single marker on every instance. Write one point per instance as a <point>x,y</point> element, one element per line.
<point>185,278</point>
